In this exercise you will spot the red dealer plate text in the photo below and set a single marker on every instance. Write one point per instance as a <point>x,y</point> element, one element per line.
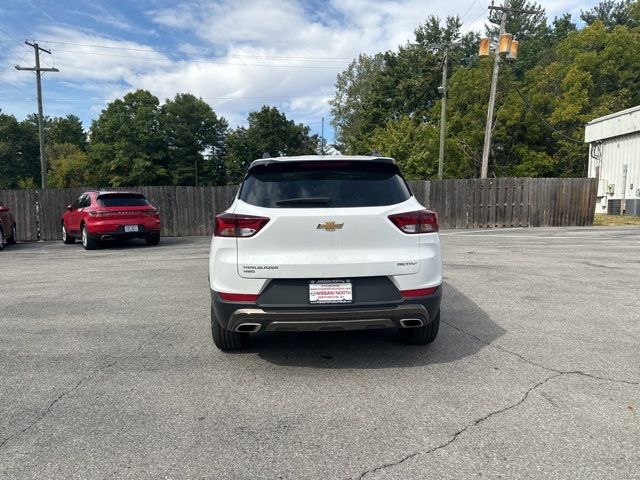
<point>330,291</point>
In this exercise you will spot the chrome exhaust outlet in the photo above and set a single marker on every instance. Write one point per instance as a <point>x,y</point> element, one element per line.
<point>106,237</point>
<point>248,327</point>
<point>411,323</point>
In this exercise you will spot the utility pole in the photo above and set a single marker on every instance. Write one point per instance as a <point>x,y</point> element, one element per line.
<point>494,82</point>
<point>38,70</point>
<point>442,89</point>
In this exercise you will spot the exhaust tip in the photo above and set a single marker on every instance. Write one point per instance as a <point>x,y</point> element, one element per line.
<point>411,323</point>
<point>248,327</point>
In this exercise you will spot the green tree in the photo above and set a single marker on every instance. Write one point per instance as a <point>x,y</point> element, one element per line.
<point>67,129</point>
<point>414,145</point>
<point>68,166</point>
<point>19,152</point>
<point>128,146</point>
<point>375,90</point>
<point>352,113</point>
<point>195,139</point>
<point>612,13</point>
<point>269,131</point>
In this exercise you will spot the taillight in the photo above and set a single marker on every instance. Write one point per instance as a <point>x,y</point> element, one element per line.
<point>235,225</point>
<point>422,221</point>
<point>238,297</point>
<point>99,213</point>
<point>419,292</point>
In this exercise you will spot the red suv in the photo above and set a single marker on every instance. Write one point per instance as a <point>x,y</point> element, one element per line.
<point>7,226</point>
<point>97,216</point>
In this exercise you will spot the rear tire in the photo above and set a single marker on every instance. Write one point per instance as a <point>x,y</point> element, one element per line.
<point>422,335</point>
<point>224,339</point>
<point>14,236</point>
<point>153,239</point>
<point>1,240</point>
<point>88,242</point>
<point>66,238</point>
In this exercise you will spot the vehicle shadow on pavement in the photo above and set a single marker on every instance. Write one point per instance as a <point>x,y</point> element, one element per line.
<point>140,243</point>
<point>383,348</point>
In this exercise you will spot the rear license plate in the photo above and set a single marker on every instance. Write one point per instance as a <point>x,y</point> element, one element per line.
<point>131,228</point>
<point>330,291</point>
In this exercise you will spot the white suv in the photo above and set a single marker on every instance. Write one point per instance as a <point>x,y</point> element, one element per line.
<point>319,243</point>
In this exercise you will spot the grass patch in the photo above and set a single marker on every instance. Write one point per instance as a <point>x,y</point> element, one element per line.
<point>615,220</point>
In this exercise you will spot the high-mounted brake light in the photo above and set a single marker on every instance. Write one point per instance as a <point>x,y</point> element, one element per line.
<point>421,221</point>
<point>235,225</point>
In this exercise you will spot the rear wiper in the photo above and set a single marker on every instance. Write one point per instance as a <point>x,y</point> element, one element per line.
<point>305,200</point>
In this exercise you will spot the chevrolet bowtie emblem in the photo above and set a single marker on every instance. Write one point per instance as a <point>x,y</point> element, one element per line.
<point>329,226</point>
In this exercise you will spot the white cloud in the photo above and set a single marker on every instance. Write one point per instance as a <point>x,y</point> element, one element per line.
<point>301,50</point>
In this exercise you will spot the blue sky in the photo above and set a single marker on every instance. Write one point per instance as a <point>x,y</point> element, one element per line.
<point>237,55</point>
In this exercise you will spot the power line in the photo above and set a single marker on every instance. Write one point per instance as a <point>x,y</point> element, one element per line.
<point>469,9</point>
<point>543,120</point>
<point>151,50</point>
<point>463,28</point>
<point>212,62</point>
<point>18,89</point>
<point>10,36</point>
<point>82,100</point>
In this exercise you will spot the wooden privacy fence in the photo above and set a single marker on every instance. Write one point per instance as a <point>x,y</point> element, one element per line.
<point>509,202</point>
<point>472,203</point>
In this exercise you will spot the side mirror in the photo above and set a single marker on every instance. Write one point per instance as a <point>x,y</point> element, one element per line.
<point>70,208</point>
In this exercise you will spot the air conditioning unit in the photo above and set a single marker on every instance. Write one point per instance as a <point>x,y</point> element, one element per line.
<point>611,188</point>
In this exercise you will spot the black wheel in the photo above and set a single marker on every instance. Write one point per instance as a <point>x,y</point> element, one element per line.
<point>1,240</point>
<point>225,339</point>
<point>88,242</point>
<point>422,335</point>
<point>66,238</point>
<point>153,239</point>
<point>14,236</point>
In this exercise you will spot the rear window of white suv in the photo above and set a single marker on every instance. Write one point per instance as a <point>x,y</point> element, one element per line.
<point>333,184</point>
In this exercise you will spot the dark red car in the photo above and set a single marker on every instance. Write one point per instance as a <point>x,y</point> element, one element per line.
<point>7,227</point>
<point>101,216</point>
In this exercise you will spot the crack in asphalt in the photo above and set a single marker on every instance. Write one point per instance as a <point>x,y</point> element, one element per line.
<point>539,365</point>
<point>457,434</point>
<point>556,373</point>
<point>77,385</point>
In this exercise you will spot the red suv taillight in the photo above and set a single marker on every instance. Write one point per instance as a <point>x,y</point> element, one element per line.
<point>234,225</point>
<point>422,221</point>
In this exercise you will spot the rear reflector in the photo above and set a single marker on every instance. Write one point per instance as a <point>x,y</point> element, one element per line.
<point>238,297</point>
<point>421,221</point>
<point>234,225</point>
<point>420,292</point>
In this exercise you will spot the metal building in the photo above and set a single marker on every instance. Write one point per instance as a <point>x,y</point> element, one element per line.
<point>614,159</point>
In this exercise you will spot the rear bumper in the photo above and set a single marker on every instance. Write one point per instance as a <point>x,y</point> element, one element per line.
<point>235,315</point>
<point>116,227</point>
<point>118,233</point>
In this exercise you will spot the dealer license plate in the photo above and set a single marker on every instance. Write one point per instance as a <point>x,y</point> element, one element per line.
<point>131,228</point>
<point>330,291</point>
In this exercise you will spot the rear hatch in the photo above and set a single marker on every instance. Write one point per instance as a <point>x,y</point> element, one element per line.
<point>123,206</point>
<point>326,220</point>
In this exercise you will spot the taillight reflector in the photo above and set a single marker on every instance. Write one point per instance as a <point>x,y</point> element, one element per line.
<point>235,225</point>
<point>420,292</point>
<point>421,221</point>
<point>238,297</point>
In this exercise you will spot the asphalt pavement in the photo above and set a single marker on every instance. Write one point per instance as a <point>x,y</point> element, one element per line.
<point>107,370</point>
